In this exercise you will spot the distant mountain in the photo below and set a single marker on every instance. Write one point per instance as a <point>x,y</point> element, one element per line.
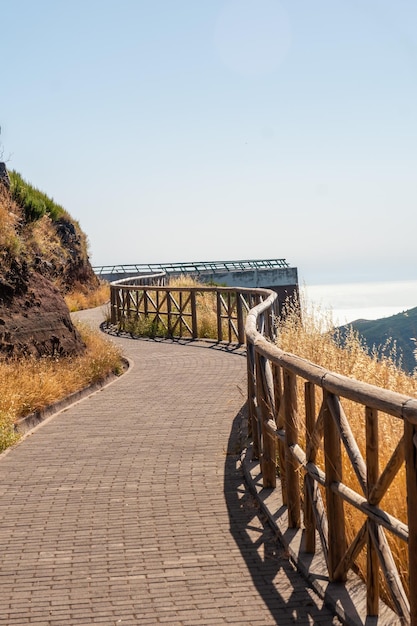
<point>401,328</point>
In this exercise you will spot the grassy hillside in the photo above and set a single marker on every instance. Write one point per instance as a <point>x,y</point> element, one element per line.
<point>39,234</point>
<point>34,202</point>
<point>43,357</point>
<point>394,334</point>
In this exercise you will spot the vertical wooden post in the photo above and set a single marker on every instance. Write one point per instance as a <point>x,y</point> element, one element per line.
<point>219,316</point>
<point>309,520</point>
<point>128,303</point>
<point>122,318</point>
<point>145,303</point>
<point>137,304</point>
<point>157,304</point>
<point>276,310</point>
<point>258,411</point>
<point>372,473</point>
<point>335,509</point>
<point>265,400</point>
<point>240,321</point>
<point>410,442</point>
<point>291,438</point>
<point>169,313</point>
<point>180,313</point>
<point>250,385</point>
<point>280,422</point>
<point>194,323</point>
<point>278,392</point>
<point>229,316</point>
<point>113,305</point>
<point>118,306</point>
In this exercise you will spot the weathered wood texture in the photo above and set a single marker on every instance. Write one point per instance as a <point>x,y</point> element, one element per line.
<point>182,311</point>
<point>330,432</point>
<point>280,426</point>
<point>372,442</point>
<point>291,439</point>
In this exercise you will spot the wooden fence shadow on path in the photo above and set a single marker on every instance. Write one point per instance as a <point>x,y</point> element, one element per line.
<point>213,344</point>
<point>282,589</point>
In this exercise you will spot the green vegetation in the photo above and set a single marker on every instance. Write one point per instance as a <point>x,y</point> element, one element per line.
<point>155,322</point>
<point>34,202</point>
<point>37,232</point>
<point>8,435</point>
<point>145,327</point>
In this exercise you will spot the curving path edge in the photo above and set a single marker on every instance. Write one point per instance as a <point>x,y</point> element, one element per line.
<point>130,507</point>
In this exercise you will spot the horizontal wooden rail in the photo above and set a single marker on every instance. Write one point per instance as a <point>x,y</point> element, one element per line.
<point>183,311</point>
<point>306,433</point>
<point>281,422</point>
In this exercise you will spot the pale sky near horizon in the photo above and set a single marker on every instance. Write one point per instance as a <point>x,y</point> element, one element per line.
<point>185,130</point>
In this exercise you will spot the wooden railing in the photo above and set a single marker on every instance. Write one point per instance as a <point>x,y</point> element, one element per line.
<point>279,425</point>
<point>305,442</point>
<point>180,311</point>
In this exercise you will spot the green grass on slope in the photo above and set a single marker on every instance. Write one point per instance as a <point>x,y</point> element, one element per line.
<point>35,203</point>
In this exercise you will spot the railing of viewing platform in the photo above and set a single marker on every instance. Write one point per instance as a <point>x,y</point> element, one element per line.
<point>299,423</point>
<point>197,267</point>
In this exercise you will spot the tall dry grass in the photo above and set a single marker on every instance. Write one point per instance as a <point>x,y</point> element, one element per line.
<point>10,216</point>
<point>206,306</point>
<point>81,299</point>
<point>206,312</point>
<point>312,336</point>
<point>30,384</point>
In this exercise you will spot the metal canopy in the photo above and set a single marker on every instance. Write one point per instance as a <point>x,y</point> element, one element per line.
<point>196,267</point>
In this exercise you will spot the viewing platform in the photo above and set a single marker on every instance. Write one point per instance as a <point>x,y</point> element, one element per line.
<point>274,274</point>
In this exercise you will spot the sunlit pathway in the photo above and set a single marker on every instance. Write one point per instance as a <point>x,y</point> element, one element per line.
<point>129,507</point>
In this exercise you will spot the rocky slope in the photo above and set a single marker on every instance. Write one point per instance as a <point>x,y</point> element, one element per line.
<point>43,254</point>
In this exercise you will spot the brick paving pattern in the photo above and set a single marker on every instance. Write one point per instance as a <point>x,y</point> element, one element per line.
<point>129,508</point>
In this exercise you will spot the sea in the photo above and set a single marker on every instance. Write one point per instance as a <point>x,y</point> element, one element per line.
<point>347,302</point>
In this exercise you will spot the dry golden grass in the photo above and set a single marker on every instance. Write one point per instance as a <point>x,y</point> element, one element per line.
<point>206,312</point>
<point>10,214</point>
<point>43,241</point>
<point>79,299</point>
<point>27,385</point>
<point>313,338</point>
<point>206,307</point>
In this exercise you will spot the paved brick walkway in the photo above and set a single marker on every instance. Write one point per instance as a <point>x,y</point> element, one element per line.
<point>129,508</point>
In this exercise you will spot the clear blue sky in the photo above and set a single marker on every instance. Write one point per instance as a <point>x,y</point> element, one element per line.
<point>181,130</point>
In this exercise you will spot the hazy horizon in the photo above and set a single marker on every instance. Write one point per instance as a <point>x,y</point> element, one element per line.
<point>348,302</point>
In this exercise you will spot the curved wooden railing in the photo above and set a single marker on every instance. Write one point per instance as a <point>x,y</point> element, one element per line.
<point>307,440</point>
<point>178,310</point>
<point>279,424</point>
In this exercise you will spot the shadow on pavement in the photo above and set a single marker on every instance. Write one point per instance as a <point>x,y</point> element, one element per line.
<point>281,587</point>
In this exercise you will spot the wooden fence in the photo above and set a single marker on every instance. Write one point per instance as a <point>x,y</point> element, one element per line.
<point>291,437</point>
<point>278,426</point>
<point>181,311</point>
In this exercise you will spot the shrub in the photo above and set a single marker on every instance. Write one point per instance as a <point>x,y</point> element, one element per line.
<point>8,435</point>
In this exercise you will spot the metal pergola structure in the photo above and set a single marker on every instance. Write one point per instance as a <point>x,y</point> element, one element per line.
<point>195,267</point>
